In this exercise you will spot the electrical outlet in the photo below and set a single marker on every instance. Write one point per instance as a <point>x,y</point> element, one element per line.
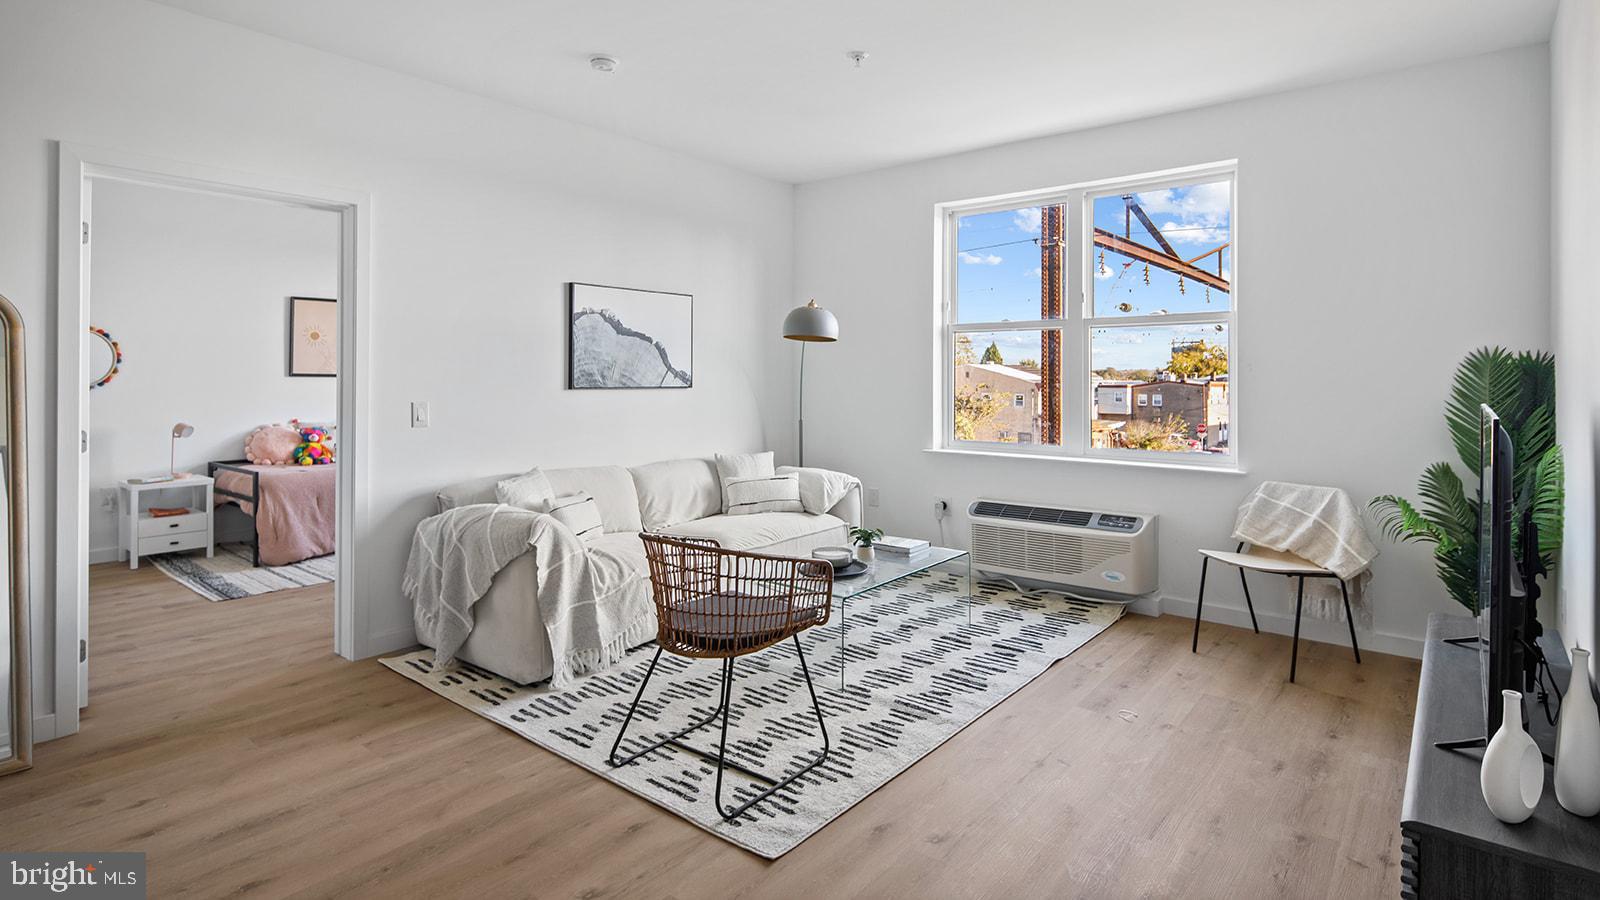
<point>941,508</point>
<point>419,414</point>
<point>872,497</point>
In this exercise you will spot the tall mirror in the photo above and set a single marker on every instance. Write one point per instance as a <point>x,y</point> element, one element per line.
<point>16,726</point>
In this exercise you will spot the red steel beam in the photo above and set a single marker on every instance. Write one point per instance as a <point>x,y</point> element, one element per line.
<point>1141,253</point>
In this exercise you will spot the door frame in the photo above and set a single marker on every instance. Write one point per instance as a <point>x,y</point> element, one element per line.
<point>79,166</point>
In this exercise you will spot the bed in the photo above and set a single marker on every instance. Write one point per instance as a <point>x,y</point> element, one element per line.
<point>291,508</point>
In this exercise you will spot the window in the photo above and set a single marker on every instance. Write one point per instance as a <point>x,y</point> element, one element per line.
<point>1090,294</point>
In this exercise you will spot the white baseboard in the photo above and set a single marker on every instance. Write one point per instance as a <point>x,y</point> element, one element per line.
<point>1320,630</point>
<point>1148,605</point>
<point>44,728</point>
<point>104,555</point>
<point>388,642</point>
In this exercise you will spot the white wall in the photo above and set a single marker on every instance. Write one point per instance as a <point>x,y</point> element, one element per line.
<point>1575,103</point>
<point>481,213</point>
<point>196,288</point>
<point>1386,226</point>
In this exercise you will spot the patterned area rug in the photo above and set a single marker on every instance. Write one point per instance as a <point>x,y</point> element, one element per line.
<point>916,674</point>
<point>230,575</point>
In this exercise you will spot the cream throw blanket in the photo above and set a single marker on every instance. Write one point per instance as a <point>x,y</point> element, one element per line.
<point>1321,525</point>
<point>594,605</point>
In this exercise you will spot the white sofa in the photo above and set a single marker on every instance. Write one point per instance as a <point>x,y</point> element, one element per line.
<point>680,496</point>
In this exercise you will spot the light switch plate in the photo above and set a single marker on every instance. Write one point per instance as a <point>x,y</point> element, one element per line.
<point>872,497</point>
<point>420,414</point>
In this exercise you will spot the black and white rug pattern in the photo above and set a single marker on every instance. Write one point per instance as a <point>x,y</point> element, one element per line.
<point>231,574</point>
<point>916,674</point>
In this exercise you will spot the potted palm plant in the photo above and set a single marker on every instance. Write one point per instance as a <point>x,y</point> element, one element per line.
<point>864,538</point>
<point>1521,387</point>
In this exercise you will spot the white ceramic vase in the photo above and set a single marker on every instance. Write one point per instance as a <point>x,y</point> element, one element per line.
<point>1578,744</point>
<point>866,554</point>
<point>1512,775</point>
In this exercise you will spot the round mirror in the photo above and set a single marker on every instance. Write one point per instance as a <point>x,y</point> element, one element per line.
<point>105,357</point>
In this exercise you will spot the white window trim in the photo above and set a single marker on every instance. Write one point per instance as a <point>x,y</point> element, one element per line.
<point>1077,399</point>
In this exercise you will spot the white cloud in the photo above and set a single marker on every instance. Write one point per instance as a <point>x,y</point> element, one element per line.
<point>1035,272</point>
<point>1027,219</point>
<point>1197,214</point>
<point>987,259</point>
<point>1104,271</point>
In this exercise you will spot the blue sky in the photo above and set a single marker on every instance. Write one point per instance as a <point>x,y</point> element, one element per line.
<point>998,273</point>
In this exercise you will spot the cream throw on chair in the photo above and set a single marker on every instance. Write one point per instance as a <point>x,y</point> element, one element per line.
<point>1321,525</point>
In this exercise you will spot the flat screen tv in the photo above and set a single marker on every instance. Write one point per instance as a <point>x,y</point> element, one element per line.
<point>1501,601</point>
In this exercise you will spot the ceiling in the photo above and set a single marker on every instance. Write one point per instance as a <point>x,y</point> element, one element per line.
<point>764,85</point>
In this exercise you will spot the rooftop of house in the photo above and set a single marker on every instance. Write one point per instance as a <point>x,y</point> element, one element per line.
<point>1008,371</point>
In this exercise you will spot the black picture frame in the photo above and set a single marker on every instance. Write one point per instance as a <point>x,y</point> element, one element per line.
<point>289,361</point>
<point>672,378</point>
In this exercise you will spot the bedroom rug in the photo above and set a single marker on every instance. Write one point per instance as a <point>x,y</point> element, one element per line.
<point>229,575</point>
<point>917,673</point>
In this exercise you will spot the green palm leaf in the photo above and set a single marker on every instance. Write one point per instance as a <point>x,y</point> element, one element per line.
<point>1520,388</point>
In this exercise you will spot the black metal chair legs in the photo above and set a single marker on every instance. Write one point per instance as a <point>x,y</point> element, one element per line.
<point>721,756</point>
<point>1299,603</point>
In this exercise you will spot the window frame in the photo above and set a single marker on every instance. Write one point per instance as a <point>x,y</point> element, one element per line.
<point>1079,322</point>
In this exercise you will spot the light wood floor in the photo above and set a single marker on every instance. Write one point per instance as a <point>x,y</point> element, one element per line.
<point>231,745</point>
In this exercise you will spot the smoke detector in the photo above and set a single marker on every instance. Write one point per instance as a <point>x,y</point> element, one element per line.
<point>856,56</point>
<point>602,63</point>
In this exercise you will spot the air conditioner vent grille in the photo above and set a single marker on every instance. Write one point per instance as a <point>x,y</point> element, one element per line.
<point>1024,513</point>
<point>1044,552</point>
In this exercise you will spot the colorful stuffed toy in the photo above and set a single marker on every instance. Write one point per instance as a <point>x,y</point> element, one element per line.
<point>314,449</point>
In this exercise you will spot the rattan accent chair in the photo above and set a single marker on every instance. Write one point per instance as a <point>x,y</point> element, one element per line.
<point>713,603</point>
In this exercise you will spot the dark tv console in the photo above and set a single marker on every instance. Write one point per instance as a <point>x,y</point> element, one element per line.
<point>1453,847</point>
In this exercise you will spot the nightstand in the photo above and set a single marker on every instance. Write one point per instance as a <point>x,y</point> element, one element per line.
<point>141,534</point>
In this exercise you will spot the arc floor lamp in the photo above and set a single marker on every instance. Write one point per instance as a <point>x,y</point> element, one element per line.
<point>808,324</point>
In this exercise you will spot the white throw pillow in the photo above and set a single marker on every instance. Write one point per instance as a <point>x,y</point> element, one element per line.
<point>762,494</point>
<point>741,465</point>
<point>530,490</point>
<point>579,513</point>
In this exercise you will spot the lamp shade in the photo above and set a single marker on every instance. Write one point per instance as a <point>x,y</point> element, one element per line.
<point>182,430</point>
<point>810,323</point>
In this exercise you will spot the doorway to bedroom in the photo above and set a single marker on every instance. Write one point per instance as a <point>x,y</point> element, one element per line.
<point>213,403</point>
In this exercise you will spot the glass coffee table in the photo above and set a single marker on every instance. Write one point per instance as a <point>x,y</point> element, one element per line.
<point>885,571</point>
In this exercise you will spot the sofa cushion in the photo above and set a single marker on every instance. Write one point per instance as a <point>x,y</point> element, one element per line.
<point>763,530</point>
<point>741,465</point>
<point>610,486</point>
<point>762,493</point>
<point>676,491</point>
<point>530,490</point>
<point>579,513</point>
<point>471,492</point>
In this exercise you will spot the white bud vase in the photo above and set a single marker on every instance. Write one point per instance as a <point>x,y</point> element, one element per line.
<point>1578,744</point>
<point>1512,775</point>
<point>866,554</point>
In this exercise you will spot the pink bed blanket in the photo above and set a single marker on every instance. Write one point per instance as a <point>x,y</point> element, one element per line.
<point>297,509</point>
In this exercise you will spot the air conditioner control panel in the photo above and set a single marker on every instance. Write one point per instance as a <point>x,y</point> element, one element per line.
<point>1112,522</point>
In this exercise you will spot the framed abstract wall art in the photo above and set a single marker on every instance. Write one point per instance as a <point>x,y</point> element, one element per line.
<point>628,338</point>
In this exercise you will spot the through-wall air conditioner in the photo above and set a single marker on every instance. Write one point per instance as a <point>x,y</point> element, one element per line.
<point>1103,552</point>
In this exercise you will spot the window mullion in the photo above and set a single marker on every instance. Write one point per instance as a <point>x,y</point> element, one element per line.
<point>1075,370</point>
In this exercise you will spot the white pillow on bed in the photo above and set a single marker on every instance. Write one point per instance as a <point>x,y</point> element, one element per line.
<point>578,512</point>
<point>530,490</point>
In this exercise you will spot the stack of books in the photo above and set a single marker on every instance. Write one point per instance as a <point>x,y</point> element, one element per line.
<point>901,548</point>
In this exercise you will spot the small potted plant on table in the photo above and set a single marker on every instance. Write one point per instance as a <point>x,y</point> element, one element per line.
<point>864,538</point>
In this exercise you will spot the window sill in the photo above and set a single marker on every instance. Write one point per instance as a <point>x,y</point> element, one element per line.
<point>1093,461</point>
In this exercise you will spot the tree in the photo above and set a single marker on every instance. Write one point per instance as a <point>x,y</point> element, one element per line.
<point>1167,434</point>
<point>1199,360</point>
<point>974,411</point>
<point>992,355</point>
<point>1029,363</point>
<point>964,354</point>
